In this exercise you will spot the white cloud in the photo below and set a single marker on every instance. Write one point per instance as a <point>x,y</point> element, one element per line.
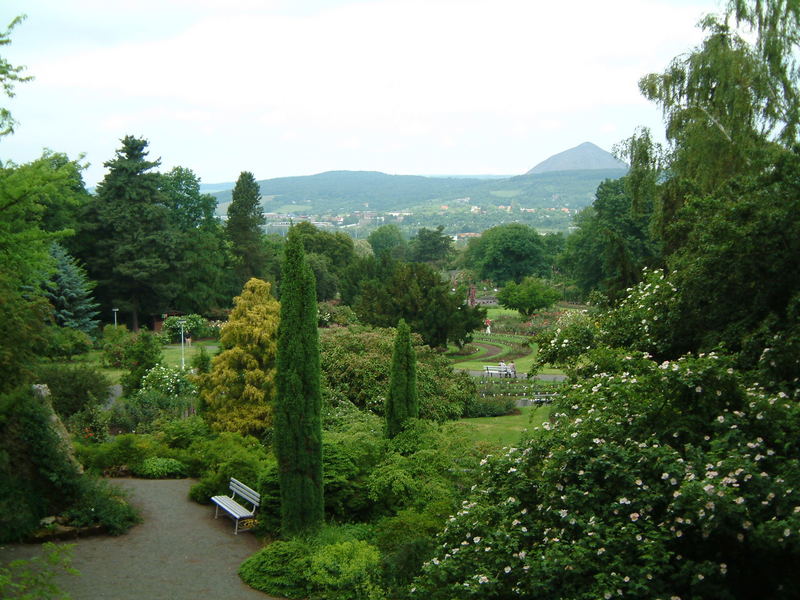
<point>406,78</point>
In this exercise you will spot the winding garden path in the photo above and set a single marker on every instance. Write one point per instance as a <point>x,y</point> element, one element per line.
<point>179,552</point>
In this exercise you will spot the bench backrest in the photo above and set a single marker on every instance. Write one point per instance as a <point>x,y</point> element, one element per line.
<point>249,494</point>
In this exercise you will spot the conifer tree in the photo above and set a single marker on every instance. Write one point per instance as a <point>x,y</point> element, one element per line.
<point>245,220</point>
<point>298,428</point>
<point>70,292</point>
<point>401,401</point>
<point>130,242</point>
<point>239,391</point>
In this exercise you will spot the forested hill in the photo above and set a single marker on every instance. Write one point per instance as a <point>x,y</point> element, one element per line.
<point>348,191</point>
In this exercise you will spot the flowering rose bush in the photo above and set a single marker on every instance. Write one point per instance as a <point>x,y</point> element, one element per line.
<point>669,481</point>
<point>574,333</point>
<point>644,319</point>
<point>169,381</point>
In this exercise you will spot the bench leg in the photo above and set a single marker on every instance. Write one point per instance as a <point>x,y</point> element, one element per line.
<point>216,511</point>
<point>236,528</point>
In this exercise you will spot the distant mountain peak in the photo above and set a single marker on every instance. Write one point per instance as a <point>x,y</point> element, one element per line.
<point>585,156</point>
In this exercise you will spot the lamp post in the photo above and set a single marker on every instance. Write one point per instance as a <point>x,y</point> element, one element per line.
<point>115,311</point>
<point>182,322</point>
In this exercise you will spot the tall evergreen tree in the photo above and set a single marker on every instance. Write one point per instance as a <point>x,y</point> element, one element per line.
<point>70,292</point>
<point>244,227</point>
<point>298,427</point>
<point>130,243</point>
<point>401,401</point>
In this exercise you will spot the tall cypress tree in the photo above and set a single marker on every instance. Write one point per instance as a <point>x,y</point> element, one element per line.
<point>244,227</point>
<point>401,401</point>
<point>298,425</point>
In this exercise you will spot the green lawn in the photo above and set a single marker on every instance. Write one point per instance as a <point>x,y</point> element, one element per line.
<point>493,312</point>
<point>507,430</point>
<point>172,352</point>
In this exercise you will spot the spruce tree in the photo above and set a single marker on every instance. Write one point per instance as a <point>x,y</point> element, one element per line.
<point>401,401</point>
<point>130,241</point>
<point>70,292</point>
<point>244,227</point>
<point>298,427</point>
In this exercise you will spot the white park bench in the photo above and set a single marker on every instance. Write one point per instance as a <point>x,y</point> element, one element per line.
<point>501,370</point>
<point>236,510</point>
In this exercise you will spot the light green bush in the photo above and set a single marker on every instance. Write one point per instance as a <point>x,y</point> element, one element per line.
<point>280,569</point>
<point>158,467</point>
<point>348,570</point>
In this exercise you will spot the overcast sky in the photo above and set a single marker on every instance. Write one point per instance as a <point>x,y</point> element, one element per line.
<point>298,87</point>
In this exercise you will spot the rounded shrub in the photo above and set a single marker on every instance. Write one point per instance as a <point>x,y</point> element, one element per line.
<point>74,388</point>
<point>348,570</point>
<point>279,569</point>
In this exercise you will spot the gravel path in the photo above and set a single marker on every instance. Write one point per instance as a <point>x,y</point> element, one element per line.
<point>179,552</point>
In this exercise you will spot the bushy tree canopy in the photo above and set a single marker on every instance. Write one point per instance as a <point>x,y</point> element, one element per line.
<point>657,481</point>
<point>527,297</point>
<point>506,253</point>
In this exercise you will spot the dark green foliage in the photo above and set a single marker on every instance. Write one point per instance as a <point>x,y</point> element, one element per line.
<point>244,229</point>
<point>142,410</point>
<point>401,399</point>
<point>127,235</point>
<point>740,264</point>
<point>279,569</point>
<point>224,456</point>
<point>102,504</point>
<point>36,476</point>
<point>349,456</point>
<point>27,192</point>
<point>356,372</point>
<point>181,433</point>
<point>486,404</point>
<point>201,361</point>
<point>388,239</point>
<point>298,429</point>
<point>201,257</point>
<point>158,467</point>
<point>431,246</point>
<point>405,540</point>
<point>142,353</point>
<point>612,241</point>
<point>63,343</point>
<point>507,253</point>
<point>333,313</point>
<point>113,344</point>
<point>73,388</point>
<point>70,292</point>
<point>418,294</point>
